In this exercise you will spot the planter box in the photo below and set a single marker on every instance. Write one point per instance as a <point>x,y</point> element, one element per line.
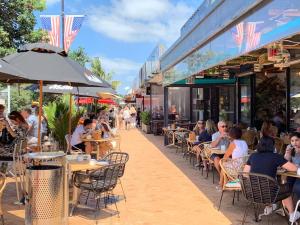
<point>146,128</point>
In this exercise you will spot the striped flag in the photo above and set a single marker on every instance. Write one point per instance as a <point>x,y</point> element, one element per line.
<point>238,34</point>
<point>72,27</point>
<point>253,38</point>
<point>52,25</point>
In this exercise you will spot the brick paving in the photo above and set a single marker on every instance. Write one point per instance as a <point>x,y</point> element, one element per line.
<point>161,187</point>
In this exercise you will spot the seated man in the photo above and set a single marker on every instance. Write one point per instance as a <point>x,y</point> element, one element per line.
<point>266,162</point>
<point>219,139</point>
<point>80,132</point>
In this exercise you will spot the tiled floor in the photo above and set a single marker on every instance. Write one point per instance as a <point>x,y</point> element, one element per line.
<point>161,187</point>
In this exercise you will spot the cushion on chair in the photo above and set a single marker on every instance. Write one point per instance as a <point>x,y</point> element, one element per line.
<point>233,184</point>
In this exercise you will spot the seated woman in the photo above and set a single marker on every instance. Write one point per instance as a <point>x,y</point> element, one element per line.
<point>79,133</point>
<point>104,147</point>
<point>266,162</point>
<point>267,129</point>
<point>292,154</point>
<point>237,148</point>
<point>204,132</point>
<point>18,130</point>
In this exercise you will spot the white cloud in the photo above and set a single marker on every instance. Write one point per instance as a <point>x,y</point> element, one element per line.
<point>52,2</point>
<point>123,70</point>
<point>126,88</point>
<point>140,21</point>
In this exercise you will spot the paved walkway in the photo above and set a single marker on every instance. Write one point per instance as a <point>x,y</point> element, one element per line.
<point>161,187</point>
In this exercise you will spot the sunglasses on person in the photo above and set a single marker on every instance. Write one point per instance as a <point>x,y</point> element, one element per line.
<point>224,126</point>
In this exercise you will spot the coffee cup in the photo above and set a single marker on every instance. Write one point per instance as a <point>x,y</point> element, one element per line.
<point>223,148</point>
<point>93,162</point>
<point>80,158</point>
<point>298,171</point>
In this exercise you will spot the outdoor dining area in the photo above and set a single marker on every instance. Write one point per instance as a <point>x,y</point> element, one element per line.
<point>260,165</point>
<point>53,173</point>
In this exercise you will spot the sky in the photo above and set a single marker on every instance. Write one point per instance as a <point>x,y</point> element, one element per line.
<point>123,33</point>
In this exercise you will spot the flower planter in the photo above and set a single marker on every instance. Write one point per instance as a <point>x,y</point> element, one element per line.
<point>146,128</point>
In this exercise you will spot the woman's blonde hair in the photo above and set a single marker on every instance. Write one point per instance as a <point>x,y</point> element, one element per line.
<point>210,126</point>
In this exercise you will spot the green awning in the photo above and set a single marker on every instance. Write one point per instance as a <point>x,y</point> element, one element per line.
<point>209,81</point>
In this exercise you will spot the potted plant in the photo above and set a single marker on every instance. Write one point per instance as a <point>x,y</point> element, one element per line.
<point>145,118</point>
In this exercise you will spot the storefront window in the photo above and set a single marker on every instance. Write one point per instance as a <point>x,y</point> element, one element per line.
<point>226,103</point>
<point>295,98</point>
<point>200,104</point>
<point>179,103</point>
<point>270,103</point>
<point>157,94</point>
<point>245,100</point>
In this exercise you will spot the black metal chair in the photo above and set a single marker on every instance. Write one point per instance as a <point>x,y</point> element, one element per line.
<point>260,191</point>
<point>116,158</point>
<point>100,182</point>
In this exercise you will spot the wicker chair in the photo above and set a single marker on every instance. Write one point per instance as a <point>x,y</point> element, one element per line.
<point>251,137</point>
<point>203,160</point>
<point>209,162</point>
<point>100,182</point>
<point>2,186</point>
<point>259,190</point>
<point>117,158</point>
<point>230,169</point>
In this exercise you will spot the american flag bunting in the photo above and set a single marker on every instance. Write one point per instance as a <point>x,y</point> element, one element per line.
<point>72,27</point>
<point>52,25</point>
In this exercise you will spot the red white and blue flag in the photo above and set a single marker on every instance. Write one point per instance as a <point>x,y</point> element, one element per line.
<point>238,34</point>
<point>72,27</point>
<point>253,37</point>
<point>52,25</point>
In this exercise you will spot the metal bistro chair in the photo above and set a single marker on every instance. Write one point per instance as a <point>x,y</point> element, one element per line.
<point>259,190</point>
<point>2,187</point>
<point>101,182</point>
<point>117,158</point>
<point>73,149</point>
<point>230,169</point>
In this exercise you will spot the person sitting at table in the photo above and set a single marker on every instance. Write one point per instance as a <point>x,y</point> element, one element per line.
<point>219,139</point>
<point>79,133</point>
<point>267,129</point>
<point>204,131</point>
<point>266,162</point>
<point>237,148</point>
<point>292,154</point>
<point>104,147</point>
<point>17,129</point>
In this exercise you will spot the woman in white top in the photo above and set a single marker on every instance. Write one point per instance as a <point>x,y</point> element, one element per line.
<point>237,148</point>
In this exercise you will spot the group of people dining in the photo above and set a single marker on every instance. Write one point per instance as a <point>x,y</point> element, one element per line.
<point>265,160</point>
<point>86,128</point>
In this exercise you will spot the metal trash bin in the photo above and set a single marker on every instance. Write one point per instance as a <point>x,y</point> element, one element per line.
<point>45,194</point>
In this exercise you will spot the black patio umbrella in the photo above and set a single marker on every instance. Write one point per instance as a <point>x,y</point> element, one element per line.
<point>8,72</point>
<point>46,64</point>
<point>79,91</point>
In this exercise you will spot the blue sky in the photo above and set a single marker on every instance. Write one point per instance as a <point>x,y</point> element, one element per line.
<point>124,32</point>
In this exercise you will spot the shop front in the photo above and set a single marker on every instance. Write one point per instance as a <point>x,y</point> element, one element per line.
<point>257,45</point>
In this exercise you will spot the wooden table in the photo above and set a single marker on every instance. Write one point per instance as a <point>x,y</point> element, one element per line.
<point>216,151</point>
<point>288,174</point>
<point>74,166</point>
<point>97,141</point>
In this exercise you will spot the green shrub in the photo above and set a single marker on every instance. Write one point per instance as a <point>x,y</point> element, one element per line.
<point>145,117</point>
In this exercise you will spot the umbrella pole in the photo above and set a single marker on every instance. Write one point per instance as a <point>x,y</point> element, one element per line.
<point>70,122</point>
<point>40,115</point>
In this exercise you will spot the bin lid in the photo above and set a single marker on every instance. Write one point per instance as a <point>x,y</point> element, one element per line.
<point>44,155</point>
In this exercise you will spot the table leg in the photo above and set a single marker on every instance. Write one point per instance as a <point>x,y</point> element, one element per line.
<point>75,199</point>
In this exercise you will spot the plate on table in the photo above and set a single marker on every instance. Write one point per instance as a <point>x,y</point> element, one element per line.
<point>102,163</point>
<point>281,170</point>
